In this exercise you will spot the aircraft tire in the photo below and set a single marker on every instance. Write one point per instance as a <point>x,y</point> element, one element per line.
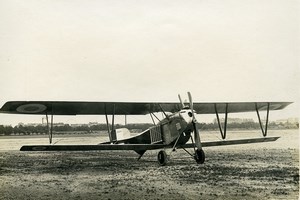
<point>200,156</point>
<point>162,157</point>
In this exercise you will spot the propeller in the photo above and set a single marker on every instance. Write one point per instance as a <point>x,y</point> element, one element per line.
<point>194,121</point>
<point>181,102</point>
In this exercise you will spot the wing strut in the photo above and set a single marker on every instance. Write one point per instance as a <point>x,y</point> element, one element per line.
<point>152,119</point>
<point>223,133</point>
<point>156,117</point>
<point>107,124</point>
<point>263,130</point>
<point>49,129</point>
<point>113,130</point>
<point>162,110</point>
<point>111,133</point>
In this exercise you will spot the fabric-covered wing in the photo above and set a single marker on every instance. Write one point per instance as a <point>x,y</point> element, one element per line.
<point>139,147</point>
<point>233,142</point>
<point>128,108</point>
<point>235,107</point>
<point>85,108</point>
<point>136,147</point>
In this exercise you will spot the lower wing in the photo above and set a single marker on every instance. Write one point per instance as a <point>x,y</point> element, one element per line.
<point>139,147</point>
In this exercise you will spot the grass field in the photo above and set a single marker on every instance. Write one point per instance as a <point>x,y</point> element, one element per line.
<point>252,171</point>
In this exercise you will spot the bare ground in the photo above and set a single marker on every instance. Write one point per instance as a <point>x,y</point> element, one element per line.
<point>240,172</point>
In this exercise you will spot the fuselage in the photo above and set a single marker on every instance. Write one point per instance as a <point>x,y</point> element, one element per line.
<point>167,130</point>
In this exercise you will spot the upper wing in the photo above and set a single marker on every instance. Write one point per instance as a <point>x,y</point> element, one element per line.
<point>235,107</point>
<point>85,108</point>
<point>128,108</point>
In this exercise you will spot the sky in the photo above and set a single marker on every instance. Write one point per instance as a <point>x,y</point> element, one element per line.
<point>139,50</point>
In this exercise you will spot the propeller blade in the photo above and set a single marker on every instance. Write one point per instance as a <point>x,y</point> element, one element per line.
<point>191,102</point>
<point>181,102</point>
<point>192,107</point>
<point>196,136</point>
<point>196,131</point>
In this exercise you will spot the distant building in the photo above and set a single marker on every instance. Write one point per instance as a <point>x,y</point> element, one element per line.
<point>294,120</point>
<point>93,124</point>
<point>78,125</point>
<point>58,124</point>
<point>234,120</point>
<point>40,124</point>
<point>29,124</point>
<point>33,124</point>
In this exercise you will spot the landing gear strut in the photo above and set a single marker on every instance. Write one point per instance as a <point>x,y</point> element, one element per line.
<point>162,157</point>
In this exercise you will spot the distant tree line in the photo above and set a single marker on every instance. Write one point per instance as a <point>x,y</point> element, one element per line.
<point>249,126</point>
<point>66,128</point>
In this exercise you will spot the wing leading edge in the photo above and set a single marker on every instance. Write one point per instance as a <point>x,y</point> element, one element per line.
<point>129,108</point>
<point>139,147</point>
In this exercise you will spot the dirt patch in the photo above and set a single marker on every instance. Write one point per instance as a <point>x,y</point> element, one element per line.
<point>256,171</point>
<point>255,174</point>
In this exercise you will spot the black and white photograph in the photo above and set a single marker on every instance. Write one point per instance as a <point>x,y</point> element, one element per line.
<point>128,99</point>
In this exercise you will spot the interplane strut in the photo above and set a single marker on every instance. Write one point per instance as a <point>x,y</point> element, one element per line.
<point>223,132</point>
<point>263,130</point>
<point>49,129</point>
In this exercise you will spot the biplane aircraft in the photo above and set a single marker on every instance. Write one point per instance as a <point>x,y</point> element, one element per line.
<point>178,129</point>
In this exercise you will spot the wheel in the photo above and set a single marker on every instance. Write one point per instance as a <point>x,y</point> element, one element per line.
<point>162,157</point>
<point>199,156</point>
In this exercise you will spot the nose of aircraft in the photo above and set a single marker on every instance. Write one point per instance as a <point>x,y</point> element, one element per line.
<point>187,115</point>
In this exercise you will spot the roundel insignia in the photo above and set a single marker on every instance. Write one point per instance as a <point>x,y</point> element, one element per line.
<point>31,108</point>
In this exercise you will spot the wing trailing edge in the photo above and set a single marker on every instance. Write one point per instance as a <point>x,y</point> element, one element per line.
<point>96,147</point>
<point>139,147</point>
<point>129,108</point>
<point>234,142</point>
